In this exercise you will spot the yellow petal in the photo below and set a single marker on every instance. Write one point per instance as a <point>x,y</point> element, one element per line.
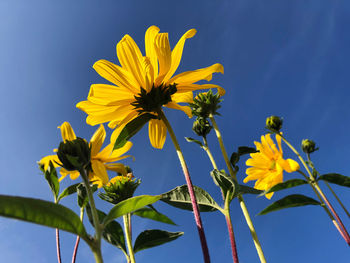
<point>150,49</point>
<point>157,133</point>
<point>185,97</point>
<point>162,48</point>
<point>97,140</point>
<point>107,155</point>
<point>279,142</point>
<point>47,159</point>
<point>104,94</point>
<point>176,106</point>
<point>289,165</point>
<point>149,73</point>
<point>190,77</point>
<point>67,132</point>
<point>121,124</point>
<point>192,87</point>
<point>116,167</point>
<point>176,54</point>
<point>73,174</point>
<point>117,75</point>
<point>130,58</point>
<point>99,171</point>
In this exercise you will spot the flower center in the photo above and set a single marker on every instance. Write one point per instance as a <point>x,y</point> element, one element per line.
<point>273,165</point>
<point>154,99</point>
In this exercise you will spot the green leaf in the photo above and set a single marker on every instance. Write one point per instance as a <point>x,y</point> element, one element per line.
<point>113,232</point>
<point>289,201</point>
<point>189,139</point>
<point>52,179</point>
<point>68,191</point>
<point>244,189</point>
<point>43,213</point>
<point>335,178</point>
<point>131,129</point>
<point>242,150</point>
<point>83,199</point>
<point>180,198</point>
<point>285,185</point>
<point>130,205</point>
<point>154,237</point>
<point>154,215</point>
<point>225,182</point>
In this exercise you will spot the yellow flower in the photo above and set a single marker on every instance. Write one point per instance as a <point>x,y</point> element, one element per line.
<point>101,161</point>
<point>144,84</point>
<point>268,164</point>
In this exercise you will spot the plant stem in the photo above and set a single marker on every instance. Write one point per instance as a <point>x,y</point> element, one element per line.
<point>344,232</point>
<point>240,197</point>
<point>96,247</point>
<point>197,216</point>
<point>128,238</point>
<point>58,247</point>
<point>78,238</point>
<point>227,207</point>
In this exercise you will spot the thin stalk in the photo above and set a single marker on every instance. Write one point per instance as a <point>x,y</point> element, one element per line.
<point>96,246</point>
<point>197,216</point>
<point>128,238</point>
<point>315,184</point>
<point>78,238</point>
<point>58,247</point>
<point>227,207</point>
<point>240,197</point>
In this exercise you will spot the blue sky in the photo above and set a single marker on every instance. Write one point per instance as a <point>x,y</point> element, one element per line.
<point>287,58</point>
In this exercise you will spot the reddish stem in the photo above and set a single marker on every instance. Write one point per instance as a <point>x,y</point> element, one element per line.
<point>58,245</point>
<point>75,249</point>
<point>232,239</point>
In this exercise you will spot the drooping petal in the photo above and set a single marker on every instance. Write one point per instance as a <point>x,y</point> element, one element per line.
<point>121,124</point>
<point>157,133</point>
<point>72,174</point>
<point>116,167</point>
<point>47,159</point>
<point>117,75</point>
<point>97,140</point>
<point>289,165</point>
<point>99,171</point>
<point>104,94</point>
<point>150,36</point>
<point>176,106</point>
<point>190,77</point>
<point>162,48</point>
<point>176,54</point>
<point>186,97</point>
<point>192,87</point>
<point>67,132</point>
<point>130,57</point>
<point>107,155</point>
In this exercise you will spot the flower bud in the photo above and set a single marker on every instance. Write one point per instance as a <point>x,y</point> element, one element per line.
<point>205,104</point>
<point>201,127</point>
<point>119,188</point>
<point>308,146</point>
<point>75,154</point>
<point>274,123</point>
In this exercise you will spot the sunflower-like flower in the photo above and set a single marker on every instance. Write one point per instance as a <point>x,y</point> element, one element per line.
<point>101,161</point>
<point>143,84</point>
<point>268,164</point>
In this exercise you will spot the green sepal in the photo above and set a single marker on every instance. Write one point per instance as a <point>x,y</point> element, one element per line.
<point>52,179</point>
<point>335,178</point>
<point>131,129</point>
<point>189,139</point>
<point>285,185</point>
<point>289,201</point>
<point>43,213</point>
<point>130,205</point>
<point>113,232</point>
<point>180,198</point>
<point>68,191</point>
<point>154,215</point>
<point>154,237</point>
<point>227,184</point>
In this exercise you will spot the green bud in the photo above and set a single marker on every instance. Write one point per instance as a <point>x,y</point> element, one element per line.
<point>201,127</point>
<point>75,154</point>
<point>274,123</point>
<point>119,189</point>
<point>205,104</point>
<point>308,146</point>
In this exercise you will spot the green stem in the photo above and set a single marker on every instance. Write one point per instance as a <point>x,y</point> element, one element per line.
<point>195,208</point>
<point>128,237</point>
<point>96,244</point>
<point>240,197</point>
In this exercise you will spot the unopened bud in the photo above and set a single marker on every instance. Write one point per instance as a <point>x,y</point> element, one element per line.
<point>201,127</point>
<point>205,104</point>
<point>274,123</point>
<point>308,146</point>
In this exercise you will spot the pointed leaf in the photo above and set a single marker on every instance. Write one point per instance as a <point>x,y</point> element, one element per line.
<point>43,213</point>
<point>52,179</point>
<point>130,205</point>
<point>225,182</point>
<point>154,237</point>
<point>180,198</point>
<point>131,129</point>
<point>335,178</point>
<point>244,189</point>
<point>242,150</point>
<point>68,191</point>
<point>285,185</point>
<point>154,215</point>
<point>189,139</point>
<point>289,201</point>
